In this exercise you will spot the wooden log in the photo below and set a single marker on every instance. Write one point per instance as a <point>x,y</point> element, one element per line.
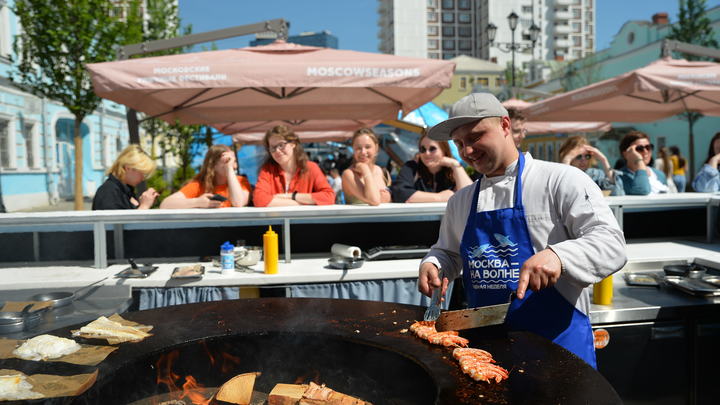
<point>238,390</point>
<point>286,394</point>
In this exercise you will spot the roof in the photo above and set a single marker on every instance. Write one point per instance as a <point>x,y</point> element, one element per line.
<point>464,63</point>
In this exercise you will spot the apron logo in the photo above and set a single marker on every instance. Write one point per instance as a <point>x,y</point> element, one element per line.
<point>492,263</point>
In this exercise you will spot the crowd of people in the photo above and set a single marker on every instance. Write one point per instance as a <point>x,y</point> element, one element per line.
<point>289,178</point>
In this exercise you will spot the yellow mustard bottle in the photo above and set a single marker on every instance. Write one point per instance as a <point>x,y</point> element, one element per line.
<point>603,291</point>
<point>270,251</point>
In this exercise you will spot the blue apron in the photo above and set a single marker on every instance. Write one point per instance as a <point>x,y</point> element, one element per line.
<point>494,246</point>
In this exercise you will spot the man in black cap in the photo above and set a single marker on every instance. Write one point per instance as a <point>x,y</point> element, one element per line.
<point>541,229</point>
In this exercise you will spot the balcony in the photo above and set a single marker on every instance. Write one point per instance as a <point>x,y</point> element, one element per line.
<point>562,43</point>
<point>563,15</point>
<point>565,2</point>
<point>562,29</point>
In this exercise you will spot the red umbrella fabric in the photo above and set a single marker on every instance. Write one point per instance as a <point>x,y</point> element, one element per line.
<point>540,127</point>
<point>662,89</point>
<point>280,81</point>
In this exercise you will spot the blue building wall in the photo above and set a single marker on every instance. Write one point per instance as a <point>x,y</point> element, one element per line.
<point>322,39</point>
<point>43,129</point>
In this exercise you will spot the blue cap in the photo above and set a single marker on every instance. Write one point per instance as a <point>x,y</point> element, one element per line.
<point>227,246</point>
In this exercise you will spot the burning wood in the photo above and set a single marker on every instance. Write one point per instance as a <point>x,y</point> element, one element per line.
<point>310,394</point>
<point>238,390</point>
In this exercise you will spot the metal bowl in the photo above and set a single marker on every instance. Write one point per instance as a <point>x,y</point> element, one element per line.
<point>248,255</point>
<point>58,299</point>
<point>17,321</point>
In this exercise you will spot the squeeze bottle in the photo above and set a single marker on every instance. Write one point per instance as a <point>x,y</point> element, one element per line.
<point>603,291</point>
<point>227,258</point>
<point>270,251</point>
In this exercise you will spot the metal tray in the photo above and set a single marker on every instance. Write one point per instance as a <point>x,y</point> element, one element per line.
<point>714,280</point>
<point>693,286</point>
<point>140,272</point>
<point>177,272</point>
<point>641,279</point>
<point>345,263</point>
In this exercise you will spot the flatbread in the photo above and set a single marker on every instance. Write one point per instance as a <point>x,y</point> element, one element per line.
<point>114,329</point>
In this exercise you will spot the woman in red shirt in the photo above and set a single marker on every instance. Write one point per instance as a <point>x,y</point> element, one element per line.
<point>217,176</point>
<point>287,178</point>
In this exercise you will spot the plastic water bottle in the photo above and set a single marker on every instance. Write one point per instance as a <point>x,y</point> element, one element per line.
<point>227,258</point>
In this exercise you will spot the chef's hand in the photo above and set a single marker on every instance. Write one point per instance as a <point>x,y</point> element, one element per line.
<point>429,280</point>
<point>541,270</point>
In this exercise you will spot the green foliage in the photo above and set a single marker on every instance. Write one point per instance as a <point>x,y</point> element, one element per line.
<point>58,38</point>
<point>693,26</point>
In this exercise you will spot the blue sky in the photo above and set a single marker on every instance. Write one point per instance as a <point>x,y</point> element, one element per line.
<point>354,22</point>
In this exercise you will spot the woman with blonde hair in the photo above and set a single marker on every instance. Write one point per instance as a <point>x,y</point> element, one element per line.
<point>664,163</point>
<point>577,151</point>
<point>288,178</point>
<point>434,176</point>
<point>364,181</point>
<point>130,168</point>
<point>216,186</point>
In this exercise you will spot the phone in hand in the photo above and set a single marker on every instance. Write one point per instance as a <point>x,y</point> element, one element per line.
<point>218,197</point>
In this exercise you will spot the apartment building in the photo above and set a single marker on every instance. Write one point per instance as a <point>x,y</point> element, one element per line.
<point>445,29</point>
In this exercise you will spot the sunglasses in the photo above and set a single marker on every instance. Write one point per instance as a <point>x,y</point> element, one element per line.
<point>431,149</point>
<point>278,146</point>
<point>648,147</point>
<point>586,156</point>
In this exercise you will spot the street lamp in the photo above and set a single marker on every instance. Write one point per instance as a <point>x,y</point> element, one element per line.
<point>512,46</point>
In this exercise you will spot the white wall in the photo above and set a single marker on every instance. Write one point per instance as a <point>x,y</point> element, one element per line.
<point>410,18</point>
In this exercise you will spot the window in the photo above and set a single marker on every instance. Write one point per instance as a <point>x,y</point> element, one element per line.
<point>576,27</point>
<point>432,3</point>
<point>464,4</point>
<point>433,30</point>
<point>588,15</point>
<point>448,4</point>
<point>448,55</point>
<point>29,134</point>
<point>483,81</point>
<point>433,44</point>
<point>464,18</point>
<point>577,40</point>
<point>448,31</point>
<point>4,143</point>
<point>432,16</point>
<point>463,83</point>
<point>527,9</point>
<point>448,17</point>
<point>577,13</point>
<point>448,45</point>
<point>465,31</point>
<point>465,44</point>
<point>434,55</point>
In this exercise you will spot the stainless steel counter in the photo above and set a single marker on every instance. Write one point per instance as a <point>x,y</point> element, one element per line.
<point>91,304</point>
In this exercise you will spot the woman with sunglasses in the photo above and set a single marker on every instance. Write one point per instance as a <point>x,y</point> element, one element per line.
<point>288,178</point>
<point>216,186</point>
<point>364,182</point>
<point>576,151</point>
<point>638,176</point>
<point>434,176</point>
<point>707,179</point>
<point>130,168</point>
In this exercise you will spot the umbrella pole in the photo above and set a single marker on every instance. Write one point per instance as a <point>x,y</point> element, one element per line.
<point>691,144</point>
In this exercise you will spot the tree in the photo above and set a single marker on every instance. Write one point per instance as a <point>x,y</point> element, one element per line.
<point>693,27</point>
<point>56,40</point>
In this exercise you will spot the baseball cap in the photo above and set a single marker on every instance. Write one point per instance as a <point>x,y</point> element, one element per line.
<point>470,108</point>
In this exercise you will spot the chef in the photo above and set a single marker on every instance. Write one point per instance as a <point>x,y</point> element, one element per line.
<point>541,229</point>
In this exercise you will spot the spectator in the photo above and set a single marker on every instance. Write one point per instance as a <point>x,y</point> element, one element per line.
<point>637,176</point>
<point>432,177</point>
<point>679,166</point>
<point>130,168</point>
<point>336,183</point>
<point>364,181</point>
<point>576,151</point>
<point>665,165</point>
<point>287,178</point>
<point>517,126</point>
<point>707,179</point>
<point>217,177</point>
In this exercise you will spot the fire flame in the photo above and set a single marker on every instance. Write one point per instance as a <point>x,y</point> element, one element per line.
<point>191,389</point>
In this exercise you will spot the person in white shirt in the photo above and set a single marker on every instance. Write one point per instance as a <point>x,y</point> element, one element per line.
<point>541,229</point>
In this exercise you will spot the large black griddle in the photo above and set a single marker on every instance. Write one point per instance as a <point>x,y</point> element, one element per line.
<point>350,341</point>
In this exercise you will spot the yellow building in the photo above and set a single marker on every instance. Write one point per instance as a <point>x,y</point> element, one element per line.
<point>470,73</point>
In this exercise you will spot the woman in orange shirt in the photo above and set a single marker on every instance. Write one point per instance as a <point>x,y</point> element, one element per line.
<point>217,177</point>
<point>287,178</point>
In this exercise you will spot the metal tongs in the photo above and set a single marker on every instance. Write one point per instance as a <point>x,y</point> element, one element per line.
<point>433,311</point>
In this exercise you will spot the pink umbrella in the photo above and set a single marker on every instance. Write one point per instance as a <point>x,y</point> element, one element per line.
<point>280,81</point>
<point>540,127</point>
<point>252,132</point>
<point>662,89</point>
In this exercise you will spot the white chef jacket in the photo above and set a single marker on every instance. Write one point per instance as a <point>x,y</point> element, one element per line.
<point>565,211</point>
